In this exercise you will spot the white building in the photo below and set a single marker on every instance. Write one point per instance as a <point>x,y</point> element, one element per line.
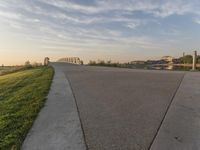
<point>167,58</point>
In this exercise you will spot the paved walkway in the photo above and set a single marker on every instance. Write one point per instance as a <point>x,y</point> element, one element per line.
<point>181,127</point>
<point>120,109</point>
<point>57,126</point>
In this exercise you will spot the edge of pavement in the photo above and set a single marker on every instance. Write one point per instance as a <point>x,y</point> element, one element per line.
<point>180,129</point>
<point>57,125</point>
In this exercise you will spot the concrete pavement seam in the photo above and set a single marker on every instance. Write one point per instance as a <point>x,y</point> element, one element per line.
<point>166,112</point>
<point>84,137</point>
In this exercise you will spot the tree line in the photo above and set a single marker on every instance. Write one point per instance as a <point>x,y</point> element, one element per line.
<point>187,59</point>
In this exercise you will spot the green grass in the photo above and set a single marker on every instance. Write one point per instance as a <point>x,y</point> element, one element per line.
<point>22,95</point>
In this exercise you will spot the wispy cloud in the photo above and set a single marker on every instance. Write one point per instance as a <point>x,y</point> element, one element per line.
<point>9,15</point>
<point>107,23</point>
<point>155,7</point>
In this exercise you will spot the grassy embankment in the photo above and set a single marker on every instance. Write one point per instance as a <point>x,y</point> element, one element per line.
<point>22,95</point>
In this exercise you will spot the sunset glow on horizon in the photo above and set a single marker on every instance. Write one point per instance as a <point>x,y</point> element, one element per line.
<point>97,29</point>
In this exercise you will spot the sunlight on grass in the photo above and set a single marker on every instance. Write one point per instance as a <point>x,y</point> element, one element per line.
<point>22,94</point>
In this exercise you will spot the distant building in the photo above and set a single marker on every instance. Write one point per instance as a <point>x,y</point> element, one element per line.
<point>72,60</point>
<point>137,62</point>
<point>155,62</point>
<point>167,58</point>
<point>176,61</point>
<point>170,59</point>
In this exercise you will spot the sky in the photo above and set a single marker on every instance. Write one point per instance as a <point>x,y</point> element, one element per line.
<point>117,30</point>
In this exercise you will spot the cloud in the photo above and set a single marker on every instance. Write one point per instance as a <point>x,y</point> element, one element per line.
<point>155,7</point>
<point>197,20</point>
<point>73,6</point>
<point>9,15</point>
<point>173,8</point>
<point>105,23</point>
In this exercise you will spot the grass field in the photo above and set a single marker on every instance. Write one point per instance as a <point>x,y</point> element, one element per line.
<point>22,94</point>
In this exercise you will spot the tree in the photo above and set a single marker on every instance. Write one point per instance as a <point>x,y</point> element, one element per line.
<point>198,59</point>
<point>109,62</point>
<point>81,62</point>
<point>27,63</point>
<point>36,64</point>
<point>101,62</point>
<point>187,59</point>
<point>91,62</point>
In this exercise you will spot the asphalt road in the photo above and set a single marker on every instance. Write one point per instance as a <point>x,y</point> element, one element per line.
<point>120,109</point>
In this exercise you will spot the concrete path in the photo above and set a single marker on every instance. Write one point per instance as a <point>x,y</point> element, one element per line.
<point>57,126</point>
<point>118,109</point>
<point>181,127</point>
<point>121,109</point>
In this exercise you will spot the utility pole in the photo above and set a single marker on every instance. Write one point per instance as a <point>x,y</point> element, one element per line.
<point>194,60</point>
<point>184,59</point>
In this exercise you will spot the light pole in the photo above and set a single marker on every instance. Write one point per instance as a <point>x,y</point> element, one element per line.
<point>194,60</point>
